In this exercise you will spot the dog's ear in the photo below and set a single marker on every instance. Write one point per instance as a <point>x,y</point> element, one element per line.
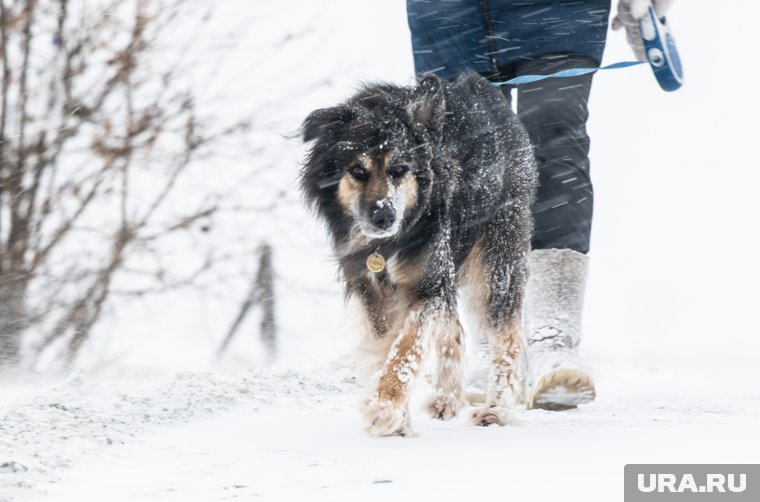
<point>428,106</point>
<point>320,121</point>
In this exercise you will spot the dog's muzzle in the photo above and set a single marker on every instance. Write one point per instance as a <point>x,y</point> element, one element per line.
<point>383,217</point>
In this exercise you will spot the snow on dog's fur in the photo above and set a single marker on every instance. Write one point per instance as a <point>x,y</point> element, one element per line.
<point>438,179</point>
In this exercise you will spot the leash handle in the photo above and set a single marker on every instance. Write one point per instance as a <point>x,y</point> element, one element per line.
<point>659,48</point>
<point>661,52</point>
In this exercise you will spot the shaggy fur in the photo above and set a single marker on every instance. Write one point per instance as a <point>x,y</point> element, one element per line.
<point>438,179</point>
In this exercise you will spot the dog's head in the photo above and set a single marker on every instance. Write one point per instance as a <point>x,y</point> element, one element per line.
<point>369,167</point>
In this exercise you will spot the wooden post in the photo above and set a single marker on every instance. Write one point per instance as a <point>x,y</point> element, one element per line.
<point>261,293</point>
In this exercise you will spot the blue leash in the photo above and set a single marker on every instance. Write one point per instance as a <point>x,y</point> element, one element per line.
<point>573,72</point>
<point>661,55</point>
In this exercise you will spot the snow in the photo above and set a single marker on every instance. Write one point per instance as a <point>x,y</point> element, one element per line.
<point>671,326</point>
<point>287,435</point>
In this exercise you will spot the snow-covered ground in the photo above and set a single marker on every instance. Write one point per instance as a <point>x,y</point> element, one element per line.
<point>671,322</point>
<point>289,435</point>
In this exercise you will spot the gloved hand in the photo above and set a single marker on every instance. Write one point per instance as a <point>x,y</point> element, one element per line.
<point>628,16</point>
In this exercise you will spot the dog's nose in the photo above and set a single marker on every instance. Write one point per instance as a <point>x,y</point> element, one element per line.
<point>383,217</point>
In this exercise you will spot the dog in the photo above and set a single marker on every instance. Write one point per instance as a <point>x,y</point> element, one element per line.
<point>427,190</point>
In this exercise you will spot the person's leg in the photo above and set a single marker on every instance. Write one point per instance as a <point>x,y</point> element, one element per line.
<point>555,111</point>
<point>448,38</point>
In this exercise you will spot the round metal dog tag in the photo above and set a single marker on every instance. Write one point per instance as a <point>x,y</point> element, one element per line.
<point>375,262</point>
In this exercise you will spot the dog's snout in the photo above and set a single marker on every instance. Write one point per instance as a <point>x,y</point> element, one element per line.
<point>383,217</point>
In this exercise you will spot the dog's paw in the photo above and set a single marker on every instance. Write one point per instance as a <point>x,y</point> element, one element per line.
<point>382,418</point>
<point>444,406</point>
<point>493,415</point>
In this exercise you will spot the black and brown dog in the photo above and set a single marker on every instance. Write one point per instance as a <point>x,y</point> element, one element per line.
<point>426,190</point>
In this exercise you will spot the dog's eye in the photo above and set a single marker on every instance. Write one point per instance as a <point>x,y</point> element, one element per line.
<point>359,173</point>
<point>398,171</point>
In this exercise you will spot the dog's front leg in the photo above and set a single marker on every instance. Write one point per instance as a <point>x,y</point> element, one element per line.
<point>448,397</point>
<point>387,412</point>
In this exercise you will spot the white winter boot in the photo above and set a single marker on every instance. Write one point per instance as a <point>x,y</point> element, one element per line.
<point>555,378</point>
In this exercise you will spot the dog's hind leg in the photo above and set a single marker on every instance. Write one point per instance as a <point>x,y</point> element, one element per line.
<point>497,272</point>
<point>448,397</point>
<point>506,345</point>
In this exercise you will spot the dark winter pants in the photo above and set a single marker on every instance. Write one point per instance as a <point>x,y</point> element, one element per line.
<point>503,38</point>
<point>554,111</point>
